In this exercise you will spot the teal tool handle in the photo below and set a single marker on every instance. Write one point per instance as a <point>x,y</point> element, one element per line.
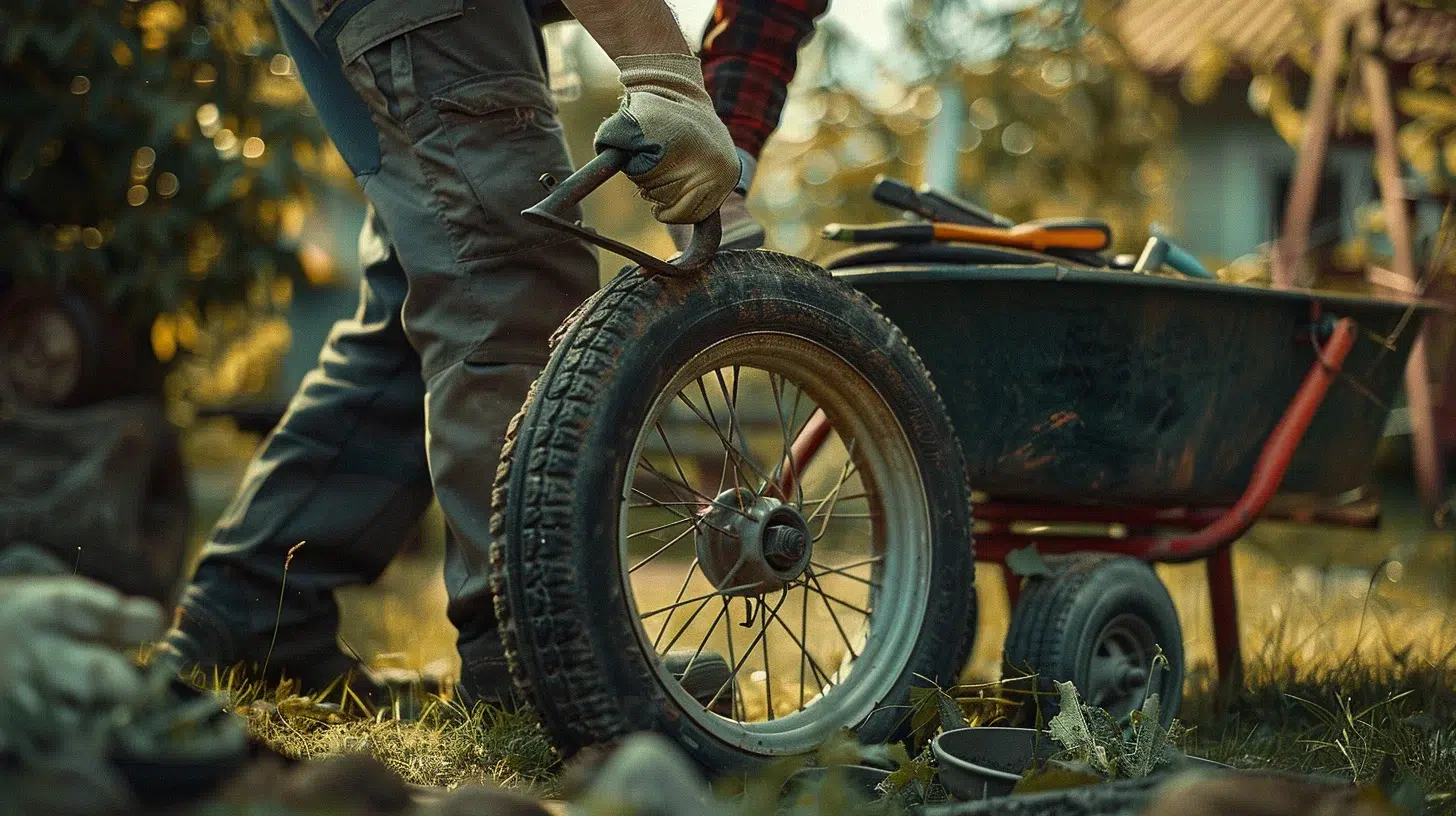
<point>1183,261</point>
<point>1160,250</point>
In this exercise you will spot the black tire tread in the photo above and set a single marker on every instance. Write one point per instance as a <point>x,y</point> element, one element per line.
<point>576,706</point>
<point>1042,614</point>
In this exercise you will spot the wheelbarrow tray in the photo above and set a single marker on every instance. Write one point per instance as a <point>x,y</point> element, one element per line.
<point>1076,386</point>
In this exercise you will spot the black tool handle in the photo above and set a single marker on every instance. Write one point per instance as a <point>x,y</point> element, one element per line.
<point>565,195</point>
<point>946,202</point>
<point>901,196</point>
<point>934,206</point>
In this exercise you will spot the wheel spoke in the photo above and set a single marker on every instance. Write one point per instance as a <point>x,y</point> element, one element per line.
<point>732,403</point>
<point>848,644</point>
<point>723,469</point>
<point>788,451</point>
<point>728,591</point>
<point>728,446</point>
<point>682,590</point>
<point>689,622</point>
<point>659,551</point>
<point>713,627</point>
<point>767,672</point>
<point>823,568</point>
<point>659,528</point>
<point>737,698</point>
<point>739,666</point>
<point>662,434</point>
<point>695,519</point>
<point>804,655</point>
<point>871,560</point>
<point>648,466</point>
<point>834,494</point>
<point>818,588</point>
<point>843,497</point>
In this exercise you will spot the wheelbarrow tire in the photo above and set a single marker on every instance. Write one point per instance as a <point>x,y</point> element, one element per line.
<point>1094,607</point>
<point>567,622</point>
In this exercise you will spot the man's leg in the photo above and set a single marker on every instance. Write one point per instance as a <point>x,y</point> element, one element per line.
<point>331,496</point>
<point>467,126</point>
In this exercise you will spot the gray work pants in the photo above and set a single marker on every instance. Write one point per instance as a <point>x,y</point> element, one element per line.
<point>459,294</point>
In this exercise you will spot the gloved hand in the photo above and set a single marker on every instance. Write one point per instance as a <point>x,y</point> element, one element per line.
<point>62,646</point>
<point>740,229</point>
<point>683,158</point>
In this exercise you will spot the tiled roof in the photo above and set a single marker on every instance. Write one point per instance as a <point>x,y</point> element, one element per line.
<point>1164,35</point>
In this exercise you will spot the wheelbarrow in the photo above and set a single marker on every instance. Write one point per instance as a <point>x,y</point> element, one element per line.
<point>801,584</point>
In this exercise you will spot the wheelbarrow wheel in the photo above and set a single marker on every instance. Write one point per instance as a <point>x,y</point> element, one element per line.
<point>1097,621</point>
<point>622,563</point>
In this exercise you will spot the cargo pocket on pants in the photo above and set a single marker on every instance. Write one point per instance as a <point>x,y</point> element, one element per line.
<point>502,134</point>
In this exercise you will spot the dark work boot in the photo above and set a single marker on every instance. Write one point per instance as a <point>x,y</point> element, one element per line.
<point>215,635</point>
<point>485,677</point>
<point>704,678</point>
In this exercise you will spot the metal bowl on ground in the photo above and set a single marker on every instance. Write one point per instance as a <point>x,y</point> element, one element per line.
<point>981,763</point>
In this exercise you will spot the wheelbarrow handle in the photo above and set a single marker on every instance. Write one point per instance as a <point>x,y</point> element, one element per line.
<point>567,194</point>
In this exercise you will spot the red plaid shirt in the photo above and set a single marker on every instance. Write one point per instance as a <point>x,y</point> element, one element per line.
<point>750,52</point>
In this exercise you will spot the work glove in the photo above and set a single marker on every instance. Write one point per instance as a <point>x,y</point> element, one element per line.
<point>740,229</point>
<point>63,644</point>
<point>683,159</point>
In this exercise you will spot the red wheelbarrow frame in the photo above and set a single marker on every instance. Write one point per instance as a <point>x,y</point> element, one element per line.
<point>1210,532</point>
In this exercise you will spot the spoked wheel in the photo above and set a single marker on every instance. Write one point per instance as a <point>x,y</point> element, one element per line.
<point>663,561</point>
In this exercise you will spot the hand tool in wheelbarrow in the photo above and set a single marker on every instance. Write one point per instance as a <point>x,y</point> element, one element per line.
<point>933,205</point>
<point>1082,234</point>
<point>564,195</point>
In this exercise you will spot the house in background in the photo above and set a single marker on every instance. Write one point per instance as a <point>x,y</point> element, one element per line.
<point>1236,164</point>
<point>1237,158</point>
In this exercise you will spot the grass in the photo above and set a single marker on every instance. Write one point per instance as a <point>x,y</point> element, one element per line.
<point>1354,685</point>
<point>445,747</point>
<point>1349,642</point>
<point>1358,721</point>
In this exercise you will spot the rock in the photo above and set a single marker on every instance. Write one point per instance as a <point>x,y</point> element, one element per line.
<point>65,786</point>
<point>101,489</point>
<point>1258,794</point>
<point>353,783</point>
<point>482,800</point>
<point>647,775</point>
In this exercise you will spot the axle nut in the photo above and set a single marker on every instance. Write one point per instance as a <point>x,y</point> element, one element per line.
<point>783,546</point>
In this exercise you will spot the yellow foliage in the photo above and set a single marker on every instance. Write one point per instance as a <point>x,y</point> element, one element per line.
<point>1288,122</point>
<point>164,338</point>
<point>1352,255</point>
<point>1427,105</point>
<point>1204,73</point>
<point>162,16</point>
<point>1417,145</point>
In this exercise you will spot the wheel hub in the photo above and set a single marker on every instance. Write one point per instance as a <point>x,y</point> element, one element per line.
<point>752,545</point>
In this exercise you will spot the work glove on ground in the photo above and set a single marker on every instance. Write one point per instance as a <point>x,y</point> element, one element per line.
<point>683,159</point>
<point>63,648</point>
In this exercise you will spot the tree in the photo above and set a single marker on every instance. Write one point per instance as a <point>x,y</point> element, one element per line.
<point>1061,122</point>
<point>155,156</point>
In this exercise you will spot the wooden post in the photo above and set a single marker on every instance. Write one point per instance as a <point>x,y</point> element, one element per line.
<point>1425,452</point>
<point>1309,161</point>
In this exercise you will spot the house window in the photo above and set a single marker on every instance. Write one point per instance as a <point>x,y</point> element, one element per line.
<point>1326,228</point>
